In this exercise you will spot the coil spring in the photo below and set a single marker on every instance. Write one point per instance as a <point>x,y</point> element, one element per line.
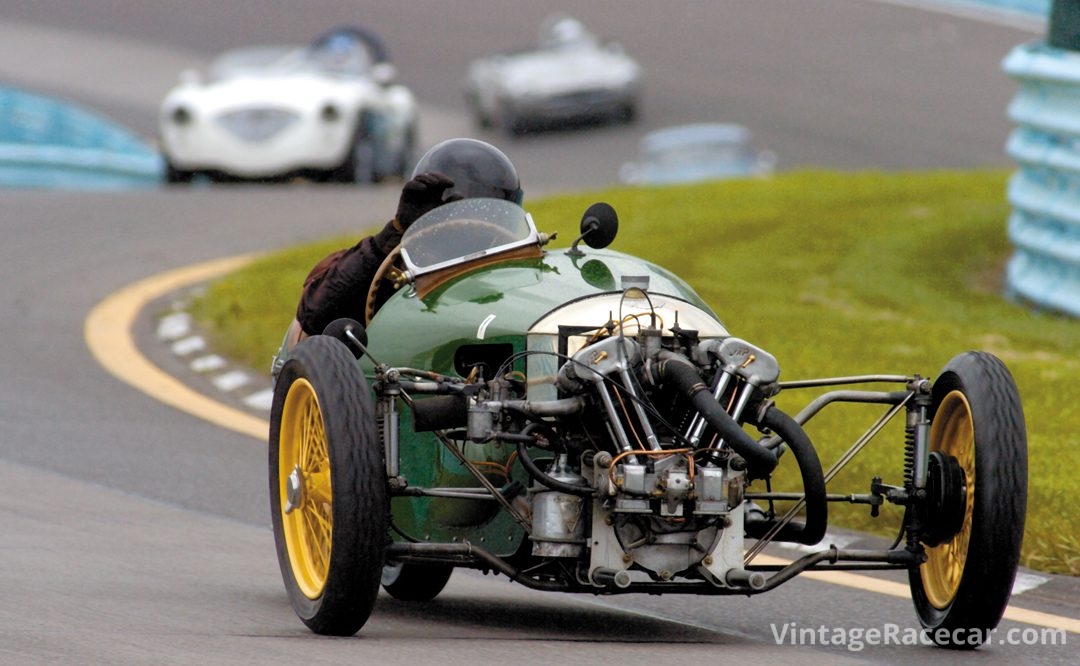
<point>909,458</point>
<point>380,426</point>
<point>912,536</point>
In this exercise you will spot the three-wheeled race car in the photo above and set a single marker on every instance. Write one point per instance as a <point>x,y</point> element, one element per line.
<point>580,420</point>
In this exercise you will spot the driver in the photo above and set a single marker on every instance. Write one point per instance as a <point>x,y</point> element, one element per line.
<point>450,171</point>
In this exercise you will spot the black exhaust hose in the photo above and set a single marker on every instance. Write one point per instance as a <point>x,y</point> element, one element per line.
<point>535,472</point>
<point>813,480</point>
<point>684,376</point>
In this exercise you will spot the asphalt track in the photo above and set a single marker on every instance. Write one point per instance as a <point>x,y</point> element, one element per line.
<point>136,533</point>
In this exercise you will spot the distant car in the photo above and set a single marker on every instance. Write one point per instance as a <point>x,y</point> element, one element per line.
<point>692,153</point>
<point>329,111</point>
<point>570,76</point>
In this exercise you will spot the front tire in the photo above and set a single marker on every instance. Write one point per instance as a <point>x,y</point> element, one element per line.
<point>480,118</point>
<point>961,591</point>
<point>359,166</point>
<point>407,155</point>
<point>328,488</point>
<point>511,123</point>
<point>174,176</point>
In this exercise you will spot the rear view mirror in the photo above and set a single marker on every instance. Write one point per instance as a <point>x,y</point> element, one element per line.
<point>599,225</point>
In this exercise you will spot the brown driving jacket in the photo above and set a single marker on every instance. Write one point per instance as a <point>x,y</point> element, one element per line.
<point>338,285</point>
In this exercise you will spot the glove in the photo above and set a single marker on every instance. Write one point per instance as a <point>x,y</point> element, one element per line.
<point>423,193</point>
<point>420,195</point>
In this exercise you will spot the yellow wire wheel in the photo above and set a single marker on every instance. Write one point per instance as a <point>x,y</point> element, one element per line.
<point>328,487</point>
<point>971,520</point>
<point>306,492</point>
<point>953,434</point>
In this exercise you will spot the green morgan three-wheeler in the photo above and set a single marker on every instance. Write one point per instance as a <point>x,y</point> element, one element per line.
<point>579,420</point>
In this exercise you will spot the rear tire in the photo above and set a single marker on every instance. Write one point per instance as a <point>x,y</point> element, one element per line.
<point>328,488</point>
<point>961,591</point>
<point>414,582</point>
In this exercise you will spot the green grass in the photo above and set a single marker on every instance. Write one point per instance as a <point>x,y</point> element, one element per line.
<point>833,273</point>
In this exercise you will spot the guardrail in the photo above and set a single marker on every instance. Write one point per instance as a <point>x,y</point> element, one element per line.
<point>49,143</point>
<point>1044,226</point>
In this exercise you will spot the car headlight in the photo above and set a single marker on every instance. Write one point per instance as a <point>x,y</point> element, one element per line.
<point>181,116</point>
<point>330,113</point>
<point>257,124</point>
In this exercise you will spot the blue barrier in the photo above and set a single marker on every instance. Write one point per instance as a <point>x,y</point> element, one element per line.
<point>1044,226</point>
<point>1029,7</point>
<point>49,143</point>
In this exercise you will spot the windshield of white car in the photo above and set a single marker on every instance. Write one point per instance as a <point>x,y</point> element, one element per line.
<point>278,61</point>
<point>462,231</point>
<point>355,61</point>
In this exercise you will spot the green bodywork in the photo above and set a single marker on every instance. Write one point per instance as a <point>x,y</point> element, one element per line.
<point>501,303</point>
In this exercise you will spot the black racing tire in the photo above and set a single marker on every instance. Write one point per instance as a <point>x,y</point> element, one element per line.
<point>328,489</point>
<point>961,591</point>
<point>511,123</point>
<point>406,581</point>
<point>174,176</point>
<point>359,165</point>
<point>476,110</point>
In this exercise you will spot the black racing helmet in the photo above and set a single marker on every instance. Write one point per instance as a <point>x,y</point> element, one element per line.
<point>477,168</point>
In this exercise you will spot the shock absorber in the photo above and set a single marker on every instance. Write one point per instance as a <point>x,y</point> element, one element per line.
<point>913,528</point>
<point>916,456</point>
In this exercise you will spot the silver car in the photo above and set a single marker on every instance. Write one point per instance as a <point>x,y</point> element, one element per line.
<point>570,76</point>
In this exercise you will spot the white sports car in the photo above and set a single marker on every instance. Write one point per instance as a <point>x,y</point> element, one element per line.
<point>330,111</point>
<point>572,75</point>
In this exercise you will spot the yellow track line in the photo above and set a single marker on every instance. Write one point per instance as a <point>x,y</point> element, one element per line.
<point>107,331</point>
<point>108,334</point>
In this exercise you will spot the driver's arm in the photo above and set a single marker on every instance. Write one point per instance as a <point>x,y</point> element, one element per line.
<point>338,285</point>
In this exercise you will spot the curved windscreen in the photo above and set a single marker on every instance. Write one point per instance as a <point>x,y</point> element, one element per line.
<point>463,231</point>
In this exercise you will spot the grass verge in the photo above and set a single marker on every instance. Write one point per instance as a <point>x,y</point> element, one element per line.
<point>833,273</point>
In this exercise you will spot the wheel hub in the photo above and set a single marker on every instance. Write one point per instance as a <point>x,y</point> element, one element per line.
<point>294,490</point>
<point>946,499</point>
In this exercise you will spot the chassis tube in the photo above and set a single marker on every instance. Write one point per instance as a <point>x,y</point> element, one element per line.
<point>472,555</point>
<point>888,558</point>
<point>466,554</point>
